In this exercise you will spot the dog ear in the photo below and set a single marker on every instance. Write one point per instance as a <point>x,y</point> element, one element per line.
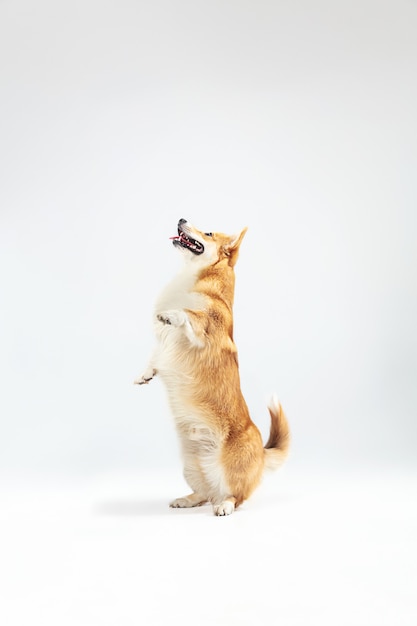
<point>232,249</point>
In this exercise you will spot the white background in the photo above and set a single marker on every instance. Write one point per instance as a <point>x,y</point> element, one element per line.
<point>296,119</point>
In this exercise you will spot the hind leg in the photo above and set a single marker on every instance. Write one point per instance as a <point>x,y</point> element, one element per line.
<point>195,479</point>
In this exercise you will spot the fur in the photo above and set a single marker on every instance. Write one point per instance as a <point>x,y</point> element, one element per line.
<point>196,357</point>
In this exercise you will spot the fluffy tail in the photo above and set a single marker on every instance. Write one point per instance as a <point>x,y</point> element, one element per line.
<point>276,448</point>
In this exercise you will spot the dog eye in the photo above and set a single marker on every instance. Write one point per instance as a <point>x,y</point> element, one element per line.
<point>209,234</point>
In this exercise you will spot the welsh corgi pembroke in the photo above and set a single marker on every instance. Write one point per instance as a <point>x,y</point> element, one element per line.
<point>196,357</point>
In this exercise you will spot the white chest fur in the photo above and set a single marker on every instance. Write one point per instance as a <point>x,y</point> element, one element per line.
<point>170,358</point>
<point>178,294</point>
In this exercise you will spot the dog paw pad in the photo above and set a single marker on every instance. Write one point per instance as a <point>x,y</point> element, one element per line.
<point>164,319</point>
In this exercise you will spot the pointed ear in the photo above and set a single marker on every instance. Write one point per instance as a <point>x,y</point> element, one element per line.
<point>232,249</point>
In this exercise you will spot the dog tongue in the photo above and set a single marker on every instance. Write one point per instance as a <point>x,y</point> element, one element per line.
<point>176,237</point>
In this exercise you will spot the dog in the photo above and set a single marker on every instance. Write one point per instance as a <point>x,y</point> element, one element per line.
<point>196,358</point>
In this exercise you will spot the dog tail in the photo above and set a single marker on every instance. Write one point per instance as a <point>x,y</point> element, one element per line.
<point>276,448</point>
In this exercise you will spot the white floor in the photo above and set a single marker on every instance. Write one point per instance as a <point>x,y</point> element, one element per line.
<point>305,550</point>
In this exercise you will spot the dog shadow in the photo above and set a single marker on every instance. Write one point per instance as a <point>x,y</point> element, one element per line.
<point>143,508</point>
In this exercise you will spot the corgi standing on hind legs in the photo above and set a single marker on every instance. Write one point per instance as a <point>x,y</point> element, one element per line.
<point>195,356</point>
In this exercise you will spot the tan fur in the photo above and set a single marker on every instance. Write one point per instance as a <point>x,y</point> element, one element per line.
<point>196,357</point>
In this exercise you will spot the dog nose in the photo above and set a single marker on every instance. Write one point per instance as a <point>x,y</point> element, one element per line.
<point>182,221</point>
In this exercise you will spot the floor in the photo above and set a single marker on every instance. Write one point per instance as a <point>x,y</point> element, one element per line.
<point>308,549</point>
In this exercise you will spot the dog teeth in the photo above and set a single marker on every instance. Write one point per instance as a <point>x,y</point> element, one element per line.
<point>189,242</point>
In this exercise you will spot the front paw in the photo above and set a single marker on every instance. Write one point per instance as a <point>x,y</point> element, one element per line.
<point>171,318</point>
<point>163,318</point>
<point>145,378</point>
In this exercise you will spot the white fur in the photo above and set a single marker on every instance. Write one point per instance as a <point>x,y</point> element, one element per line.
<point>274,403</point>
<point>170,307</point>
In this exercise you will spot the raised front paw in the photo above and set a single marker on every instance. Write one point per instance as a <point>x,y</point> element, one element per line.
<point>172,318</point>
<point>145,378</point>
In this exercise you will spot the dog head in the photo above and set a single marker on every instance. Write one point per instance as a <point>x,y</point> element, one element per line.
<point>207,248</point>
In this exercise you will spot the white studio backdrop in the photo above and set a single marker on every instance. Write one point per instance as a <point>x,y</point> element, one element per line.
<point>294,119</point>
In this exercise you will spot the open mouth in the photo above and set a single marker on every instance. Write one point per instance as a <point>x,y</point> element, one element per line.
<point>185,241</point>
